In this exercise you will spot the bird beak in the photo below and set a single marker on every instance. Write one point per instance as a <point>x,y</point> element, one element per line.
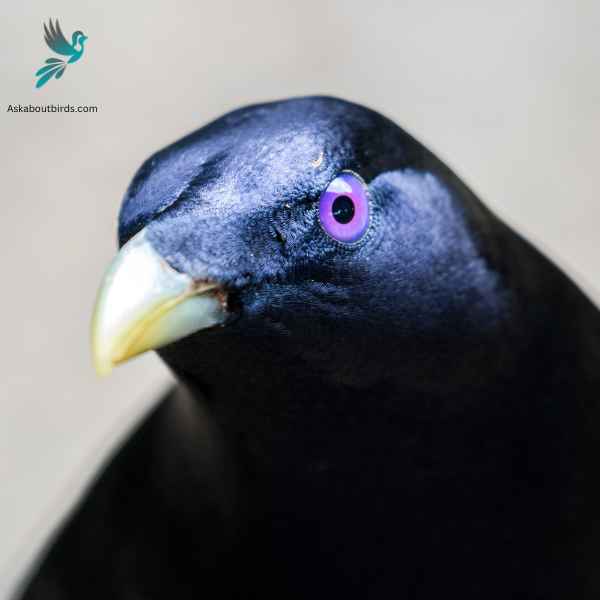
<point>144,304</point>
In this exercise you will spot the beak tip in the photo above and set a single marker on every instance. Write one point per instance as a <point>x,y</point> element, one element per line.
<point>103,364</point>
<point>103,370</point>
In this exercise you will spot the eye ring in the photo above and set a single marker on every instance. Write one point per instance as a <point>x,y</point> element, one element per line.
<point>344,211</point>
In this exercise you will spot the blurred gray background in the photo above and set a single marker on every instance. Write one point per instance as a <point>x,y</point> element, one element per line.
<point>507,93</point>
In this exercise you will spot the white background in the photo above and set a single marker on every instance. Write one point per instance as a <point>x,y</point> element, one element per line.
<point>508,93</point>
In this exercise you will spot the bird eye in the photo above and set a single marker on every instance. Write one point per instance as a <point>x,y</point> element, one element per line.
<point>344,208</point>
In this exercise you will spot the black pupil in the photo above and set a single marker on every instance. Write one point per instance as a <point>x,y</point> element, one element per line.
<point>343,209</point>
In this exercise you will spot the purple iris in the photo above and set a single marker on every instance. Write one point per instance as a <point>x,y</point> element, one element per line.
<point>344,208</point>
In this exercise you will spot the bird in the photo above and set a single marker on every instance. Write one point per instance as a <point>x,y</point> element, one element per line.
<point>382,390</point>
<point>55,39</point>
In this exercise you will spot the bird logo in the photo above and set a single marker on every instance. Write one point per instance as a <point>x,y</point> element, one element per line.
<point>55,67</point>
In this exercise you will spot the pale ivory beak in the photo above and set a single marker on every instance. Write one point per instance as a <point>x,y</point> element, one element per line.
<point>144,304</point>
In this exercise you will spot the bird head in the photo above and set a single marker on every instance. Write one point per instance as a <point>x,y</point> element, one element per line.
<point>78,37</point>
<point>311,232</point>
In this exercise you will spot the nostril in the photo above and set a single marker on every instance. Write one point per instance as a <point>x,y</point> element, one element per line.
<point>234,305</point>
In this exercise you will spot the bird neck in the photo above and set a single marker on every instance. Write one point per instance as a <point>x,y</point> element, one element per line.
<point>398,458</point>
<point>501,446</point>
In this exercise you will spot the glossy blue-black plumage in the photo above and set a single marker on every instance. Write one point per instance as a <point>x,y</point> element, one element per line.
<point>411,416</point>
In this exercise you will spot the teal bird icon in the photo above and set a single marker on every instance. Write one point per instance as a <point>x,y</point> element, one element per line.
<point>55,67</point>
